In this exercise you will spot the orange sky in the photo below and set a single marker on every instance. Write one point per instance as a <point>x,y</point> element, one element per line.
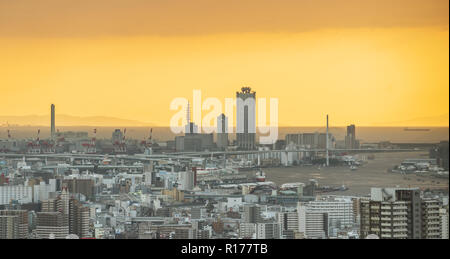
<point>363,62</point>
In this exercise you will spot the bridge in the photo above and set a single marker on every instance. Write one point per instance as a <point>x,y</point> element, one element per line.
<point>177,156</point>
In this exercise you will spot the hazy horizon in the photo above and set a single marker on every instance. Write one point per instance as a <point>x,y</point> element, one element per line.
<point>363,133</point>
<point>372,62</point>
<point>111,121</point>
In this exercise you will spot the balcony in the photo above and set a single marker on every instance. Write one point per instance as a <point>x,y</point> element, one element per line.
<point>399,224</point>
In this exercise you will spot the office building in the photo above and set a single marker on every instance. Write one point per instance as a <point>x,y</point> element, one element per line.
<point>340,211</point>
<point>313,140</point>
<point>222,132</point>
<point>246,119</point>
<point>312,225</point>
<point>350,139</point>
<point>194,142</point>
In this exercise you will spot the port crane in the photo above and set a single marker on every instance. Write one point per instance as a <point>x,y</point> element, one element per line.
<point>90,147</point>
<point>120,146</point>
<point>34,146</point>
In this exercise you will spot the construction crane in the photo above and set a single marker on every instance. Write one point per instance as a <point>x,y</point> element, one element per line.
<point>147,142</point>
<point>34,146</point>
<point>89,148</point>
<point>46,147</point>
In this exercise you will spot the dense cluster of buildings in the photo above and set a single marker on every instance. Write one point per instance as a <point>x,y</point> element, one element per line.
<point>177,201</point>
<point>72,186</point>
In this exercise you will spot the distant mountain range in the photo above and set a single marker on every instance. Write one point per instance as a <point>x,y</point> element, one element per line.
<point>436,121</point>
<point>69,120</point>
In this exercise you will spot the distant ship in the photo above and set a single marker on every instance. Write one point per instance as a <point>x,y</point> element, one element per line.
<point>415,129</point>
<point>260,176</point>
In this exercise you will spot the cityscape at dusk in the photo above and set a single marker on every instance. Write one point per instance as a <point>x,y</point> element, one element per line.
<point>234,120</point>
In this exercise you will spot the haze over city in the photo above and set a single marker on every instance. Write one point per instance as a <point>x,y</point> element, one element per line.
<point>386,64</point>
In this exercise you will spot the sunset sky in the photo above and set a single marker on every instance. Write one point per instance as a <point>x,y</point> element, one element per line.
<point>371,62</point>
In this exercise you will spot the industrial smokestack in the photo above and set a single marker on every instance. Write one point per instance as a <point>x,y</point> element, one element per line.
<point>52,125</point>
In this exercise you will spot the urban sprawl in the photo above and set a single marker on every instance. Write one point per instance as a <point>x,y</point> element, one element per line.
<point>207,186</point>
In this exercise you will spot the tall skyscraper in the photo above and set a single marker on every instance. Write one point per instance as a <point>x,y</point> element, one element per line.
<point>246,118</point>
<point>222,131</point>
<point>350,138</point>
<point>52,125</point>
<point>399,213</point>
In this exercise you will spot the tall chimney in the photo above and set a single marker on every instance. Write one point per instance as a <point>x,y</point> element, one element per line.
<point>52,126</point>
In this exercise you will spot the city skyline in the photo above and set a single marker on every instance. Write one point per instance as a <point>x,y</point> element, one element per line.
<point>225,127</point>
